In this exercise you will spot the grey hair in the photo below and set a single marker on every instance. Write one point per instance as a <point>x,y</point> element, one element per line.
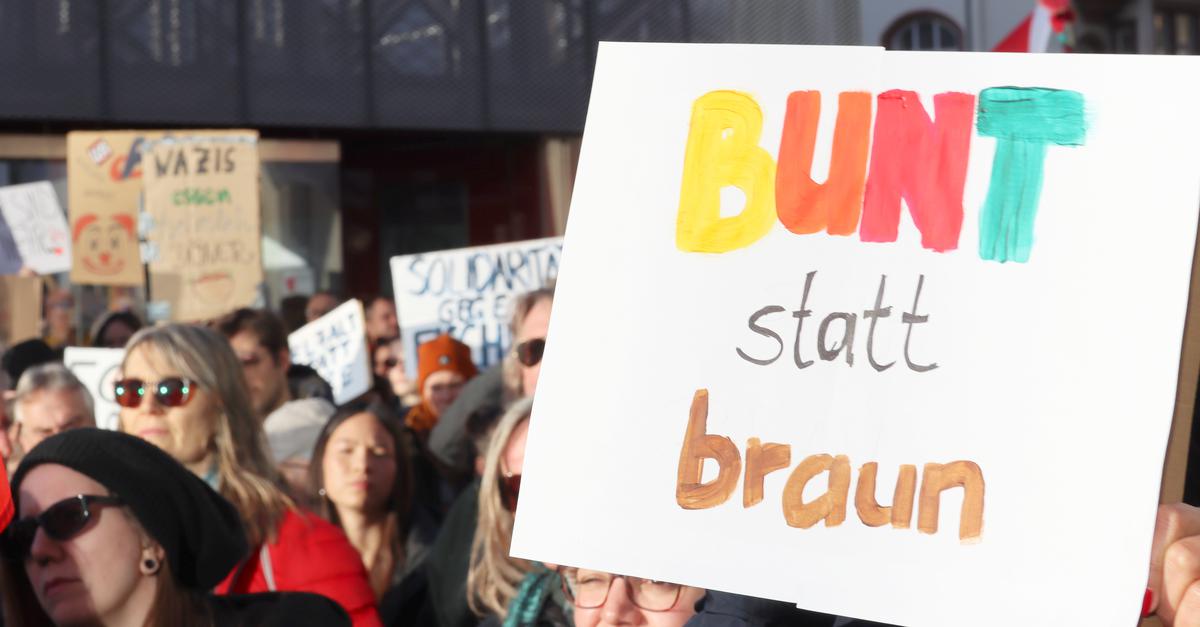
<point>49,377</point>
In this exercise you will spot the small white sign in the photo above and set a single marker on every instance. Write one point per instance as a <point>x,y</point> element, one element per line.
<point>98,369</point>
<point>468,293</point>
<point>39,226</point>
<point>335,345</point>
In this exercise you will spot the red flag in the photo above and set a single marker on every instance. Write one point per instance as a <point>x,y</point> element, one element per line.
<point>6,505</point>
<point>1034,32</point>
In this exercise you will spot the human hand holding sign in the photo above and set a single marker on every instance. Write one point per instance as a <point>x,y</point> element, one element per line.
<point>1174,587</point>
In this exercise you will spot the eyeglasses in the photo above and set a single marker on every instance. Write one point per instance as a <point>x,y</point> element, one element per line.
<point>510,487</point>
<point>529,352</point>
<point>588,589</point>
<point>169,392</point>
<point>61,521</point>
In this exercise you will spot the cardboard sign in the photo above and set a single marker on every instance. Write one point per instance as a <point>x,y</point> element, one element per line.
<point>98,369</point>
<point>889,335</point>
<point>204,249</point>
<point>37,225</point>
<point>104,182</point>
<point>468,293</point>
<point>335,345</point>
<point>20,309</point>
<point>10,257</point>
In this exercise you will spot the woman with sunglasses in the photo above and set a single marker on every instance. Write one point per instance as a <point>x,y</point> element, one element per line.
<point>362,475</point>
<point>112,531</point>
<point>493,577</point>
<point>183,390</point>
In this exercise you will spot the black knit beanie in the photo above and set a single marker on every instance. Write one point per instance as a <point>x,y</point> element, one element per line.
<point>200,531</point>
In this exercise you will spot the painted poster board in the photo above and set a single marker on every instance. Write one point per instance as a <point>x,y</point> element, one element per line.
<point>10,257</point>
<point>98,369</point>
<point>37,225</point>
<point>203,224</point>
<point>104,182</point>
<point>1023,376</point>
<point>20,309</point>
<point>335,345</point>
<point>469,293</point>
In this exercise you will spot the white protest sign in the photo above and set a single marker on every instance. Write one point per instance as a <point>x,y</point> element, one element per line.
<point>38,225</point>
<point>820,384</point>
<point>335,346</point>
<point>98,369</point>
<point>468,293</point>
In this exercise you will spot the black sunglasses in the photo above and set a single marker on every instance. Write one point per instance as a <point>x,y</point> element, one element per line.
<point>529,352</point>
<point>60,521</point>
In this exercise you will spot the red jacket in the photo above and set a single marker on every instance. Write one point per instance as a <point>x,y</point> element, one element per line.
<point>309,555</point>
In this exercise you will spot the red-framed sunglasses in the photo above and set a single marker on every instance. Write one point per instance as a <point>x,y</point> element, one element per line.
<point>169,392</point>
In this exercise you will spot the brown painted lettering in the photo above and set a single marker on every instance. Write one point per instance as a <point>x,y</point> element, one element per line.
<point>698,445</point>
<point>939,477</point>
<point>902,500</point>
<point>830,506</point>
<point>762,460</point>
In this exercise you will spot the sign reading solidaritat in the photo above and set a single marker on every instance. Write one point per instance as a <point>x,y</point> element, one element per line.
<point>201,197</point>
<point>335,345</point>
<point>37,225</point>
<point>98,370</point>
<point>104,180</point>
<point>469,293</point>
<point>888,335</point>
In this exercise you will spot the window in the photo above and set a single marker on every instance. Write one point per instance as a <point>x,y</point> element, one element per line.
<point>924,30</point>
<point>1175,31</point>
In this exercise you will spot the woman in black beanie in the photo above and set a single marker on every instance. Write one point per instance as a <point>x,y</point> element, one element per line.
<point>112,531</point>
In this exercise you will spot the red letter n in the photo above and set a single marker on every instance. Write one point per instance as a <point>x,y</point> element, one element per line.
<point>922,161</point>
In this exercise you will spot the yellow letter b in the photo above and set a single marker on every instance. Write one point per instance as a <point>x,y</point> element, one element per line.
<point>723,150</point>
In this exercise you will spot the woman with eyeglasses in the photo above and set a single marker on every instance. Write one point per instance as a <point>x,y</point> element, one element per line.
<point>601,598</point>
<point>182,389</point>
<point>363,478</point>
<point>113,532</point>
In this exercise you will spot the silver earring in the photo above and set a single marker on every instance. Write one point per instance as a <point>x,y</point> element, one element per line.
<point>321,491</point>
<point>149,566</point>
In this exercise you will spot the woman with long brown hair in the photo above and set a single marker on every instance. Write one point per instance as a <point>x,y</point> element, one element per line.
<point>362,473</point>
<point>182,389</point>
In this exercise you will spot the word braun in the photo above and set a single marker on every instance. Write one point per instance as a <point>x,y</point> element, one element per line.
<point>763,459</point>
<point>912,157</point>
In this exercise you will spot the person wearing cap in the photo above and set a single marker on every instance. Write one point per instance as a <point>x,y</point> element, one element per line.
<point>113,531</point>
<point>443,366</point>
<point>182,389</point>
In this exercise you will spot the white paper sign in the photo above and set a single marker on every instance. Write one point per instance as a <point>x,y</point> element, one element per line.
<point>335,346</point>
<point>98,369</point>
<point>38,225</point>
<point>468,293</point>
<point>1013,415</point>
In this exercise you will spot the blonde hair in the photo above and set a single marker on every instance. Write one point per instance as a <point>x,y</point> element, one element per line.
<point>247,477</point>
<point>493,576</point>
<point>511,368</point>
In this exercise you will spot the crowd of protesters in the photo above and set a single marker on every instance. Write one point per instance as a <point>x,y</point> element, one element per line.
<point>235,492</point>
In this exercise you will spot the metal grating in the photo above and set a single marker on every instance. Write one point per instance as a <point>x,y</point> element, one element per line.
<point>509,65</point>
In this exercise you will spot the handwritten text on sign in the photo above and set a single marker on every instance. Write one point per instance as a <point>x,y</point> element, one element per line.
<point>806,390</point>
<point>335,346</point>
<point>98,370</point>
<point>468,293</point>
<point>38,226</point>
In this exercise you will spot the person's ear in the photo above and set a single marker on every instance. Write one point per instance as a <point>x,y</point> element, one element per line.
<point>152,558</point>
<point>284,359</point>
